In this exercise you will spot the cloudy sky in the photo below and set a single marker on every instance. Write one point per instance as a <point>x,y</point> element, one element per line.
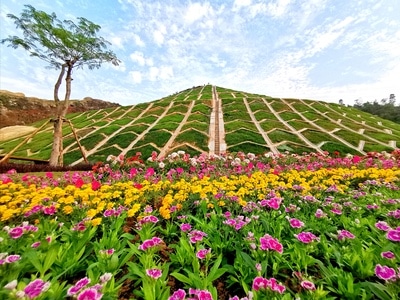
<point>315,49</point>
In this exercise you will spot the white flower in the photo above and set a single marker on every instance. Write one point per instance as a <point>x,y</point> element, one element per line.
<point>11,285</point>
<point>161,165</point>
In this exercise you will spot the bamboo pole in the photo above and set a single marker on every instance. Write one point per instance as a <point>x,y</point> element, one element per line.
<point>77,140</point>
<point>7,156</point>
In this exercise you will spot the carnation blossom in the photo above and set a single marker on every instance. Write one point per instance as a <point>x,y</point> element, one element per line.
<point>306,237</point>
<point>36,287</point>
<point>267,242</point>
<point>388,255</point>
<point>308,285</point>
<point>393,235</point>
<point>384,272</point>
<point>154,273</point>
<point>295,223</point>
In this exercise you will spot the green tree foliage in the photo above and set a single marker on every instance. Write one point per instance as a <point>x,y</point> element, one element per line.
<point>386,108</point>
<point>64,45</point>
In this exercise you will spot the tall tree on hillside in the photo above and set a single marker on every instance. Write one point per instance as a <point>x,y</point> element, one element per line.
<point>64,45</point>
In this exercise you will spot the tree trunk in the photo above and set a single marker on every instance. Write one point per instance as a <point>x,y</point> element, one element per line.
<point>56,157</point>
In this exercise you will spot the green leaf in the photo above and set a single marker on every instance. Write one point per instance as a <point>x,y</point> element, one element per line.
<point>182,278</point>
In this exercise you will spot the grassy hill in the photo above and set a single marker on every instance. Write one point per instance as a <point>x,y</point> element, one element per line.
<point>215,120</point>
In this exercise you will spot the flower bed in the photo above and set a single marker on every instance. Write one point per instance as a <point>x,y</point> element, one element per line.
<point>240,227</point>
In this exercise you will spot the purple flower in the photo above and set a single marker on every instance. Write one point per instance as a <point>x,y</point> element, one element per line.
<point>186,227</point>
<point>267,242</point>
<point>343,234</point>
<point>306,237</point>
<point>78,286</point>
<point>308,285</point>
<point>295,223</point>
<point>388,255</point>
<point>393,235</point>
<point>202,253</point>
<point>90,294</point>
<point>385,272</point>
<point>178,295</point>
<point>154,273</point>
<point>16,232</point>
<point>36,287</point>
<point>382,225</point>
<point>336,211</point>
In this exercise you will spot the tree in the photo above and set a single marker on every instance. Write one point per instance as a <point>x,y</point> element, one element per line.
<point>64,45</point>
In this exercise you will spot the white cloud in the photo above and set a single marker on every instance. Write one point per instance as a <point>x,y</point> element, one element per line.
<point>136,76</point>
<point>196,11</point>
<point>278,8</point>
<point>139,58</point>
<point>163,72</point>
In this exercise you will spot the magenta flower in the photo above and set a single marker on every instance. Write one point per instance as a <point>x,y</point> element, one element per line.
<point>154,273</point>
<point>107,252</point>
<point>35,244</point>
<point>36,287</point>
<point>204,295</point>
<point>49,210</point>
<point>382,225</point>
<point>90,294</point>
<point>186,227</point>
<point>196,236</point>
<point>149,219</point>
<point>267,242</point>
<point>16,232</point>
<point>343,234</point>
<point>385,272</point>
<point>306,237</point>
<point>12,258</point>
<point>178,295</point>
<point>79,285</point>
<point>319,213</point>
<point>154,241</point>
<point>336,211</point>
<point>259,283</point>
<point>273,203</point>
<point>276,287</point>
<point>202,253</point>
<point>295,223</point>
<point>393,235</point>
<point>388,255</point>
<point>308,285</point>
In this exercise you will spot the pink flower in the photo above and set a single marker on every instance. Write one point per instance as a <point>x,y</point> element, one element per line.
<point>204,295</point>
<point>259,283</point>
<point>49,210</point>
<point>276,287</point>
<point>36,287</point>
<point>393,235</point>
<point>388,255</point>
<point>382,225</point>
<point>154,241</point>
<point>78,286</point>
<point>107,252</point>
<point>202,253</point>
<point>306,237</point>
<point>185,227</point>
<point>343,234</point>
<point>196,236</point>
<point>269,243</point>
<point>336,211</point>
<point>16,232</point>
<point>308,285</point>
<point>385,272</point>
<point>295,223</point>
<point>106,277</point>
<point>154,273</point>
<point>178,295</point>
<point>149,219</point>
<point>319,213</point>
<point>90,294</point>
<point>12,258</point>
<point>35,244</point>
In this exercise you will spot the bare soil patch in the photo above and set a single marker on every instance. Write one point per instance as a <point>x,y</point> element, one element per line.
<point>11,132</point>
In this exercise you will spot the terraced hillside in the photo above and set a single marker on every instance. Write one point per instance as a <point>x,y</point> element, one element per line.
<point>215,120</point>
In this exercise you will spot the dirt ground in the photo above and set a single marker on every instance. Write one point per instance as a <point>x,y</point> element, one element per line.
<point>11,132</point>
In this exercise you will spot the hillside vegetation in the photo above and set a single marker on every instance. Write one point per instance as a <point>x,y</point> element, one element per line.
<point>215,120</point>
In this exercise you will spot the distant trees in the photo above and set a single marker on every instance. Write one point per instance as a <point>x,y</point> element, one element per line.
<point>65,46</point>
<point>386,108</point>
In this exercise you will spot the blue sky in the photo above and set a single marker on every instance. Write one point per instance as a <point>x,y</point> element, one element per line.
<point>312,49</point>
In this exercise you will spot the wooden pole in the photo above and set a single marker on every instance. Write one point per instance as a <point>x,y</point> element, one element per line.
<point>77,140</point>
<point>5,158</point>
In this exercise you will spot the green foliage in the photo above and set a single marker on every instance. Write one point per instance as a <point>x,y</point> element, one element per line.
<point>249,148</point>
<point>243,135</point>
<point>122,140</point>
<point>277,136</point>
<point>331,147</point>
<point>385,109</point>
<point>191,136</point>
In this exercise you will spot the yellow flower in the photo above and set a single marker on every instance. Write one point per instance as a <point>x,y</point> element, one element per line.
<point>135,208</point>
<point>91,213</point>
<point>96,221</point>
<point>68,209</point>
